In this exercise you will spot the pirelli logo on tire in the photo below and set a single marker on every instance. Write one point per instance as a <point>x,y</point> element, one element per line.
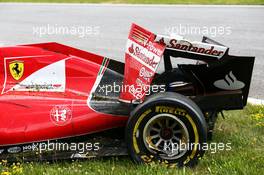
<point>170,110</point>
<point>159,127</point>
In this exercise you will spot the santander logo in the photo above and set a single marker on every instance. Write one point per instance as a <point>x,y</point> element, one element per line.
<point>149,60</point>
<point>131,49</point>
<point>229,82</point>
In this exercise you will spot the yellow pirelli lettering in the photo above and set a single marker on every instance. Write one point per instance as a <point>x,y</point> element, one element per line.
<point>136,128</point>
<point>196,136</point>
<point>170,110</point>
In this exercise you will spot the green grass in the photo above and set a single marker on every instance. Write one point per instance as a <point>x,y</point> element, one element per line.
<point>243,129</point>
<point>251,2</point>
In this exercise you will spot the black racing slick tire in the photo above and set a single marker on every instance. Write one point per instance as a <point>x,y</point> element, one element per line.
<point>167,128</point>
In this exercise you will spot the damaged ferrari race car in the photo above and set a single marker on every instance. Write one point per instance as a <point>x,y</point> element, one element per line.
<point>58,102</point>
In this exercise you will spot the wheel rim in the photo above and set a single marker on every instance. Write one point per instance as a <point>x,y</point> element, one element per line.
<point>166,134</point>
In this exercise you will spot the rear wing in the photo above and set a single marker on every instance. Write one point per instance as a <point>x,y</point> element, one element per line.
<point>207,50</point>
<point>221,74</point>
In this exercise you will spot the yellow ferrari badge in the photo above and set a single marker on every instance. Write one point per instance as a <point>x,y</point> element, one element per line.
<point>16,69</point>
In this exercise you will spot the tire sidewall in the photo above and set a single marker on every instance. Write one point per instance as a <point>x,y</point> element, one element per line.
<point>167,103</point>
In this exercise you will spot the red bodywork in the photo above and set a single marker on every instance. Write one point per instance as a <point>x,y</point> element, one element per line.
<point>48,91</point>
<point>26,111</point>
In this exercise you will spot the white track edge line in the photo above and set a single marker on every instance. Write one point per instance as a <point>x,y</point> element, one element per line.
<point>127,5</point>
<point>255,101</point>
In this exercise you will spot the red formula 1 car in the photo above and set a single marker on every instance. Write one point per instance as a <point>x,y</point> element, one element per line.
<point>61,102</point>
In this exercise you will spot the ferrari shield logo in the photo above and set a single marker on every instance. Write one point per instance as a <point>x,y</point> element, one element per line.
<point>16,69</point>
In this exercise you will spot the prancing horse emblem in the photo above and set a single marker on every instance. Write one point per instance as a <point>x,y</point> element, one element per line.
<point>16,69</point>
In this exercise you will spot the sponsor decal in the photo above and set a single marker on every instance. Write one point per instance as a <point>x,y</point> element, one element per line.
<point>143,55</point>
<point>170,110</point>
<point>178,43</point>
<point>16,69</point>
<point>51,78</point>
<point>14,150</point>
<point>153,49</point>
<point>31,147</point>
<point>196,49</point>
<point>229,82</point>
<point>135,130</point>
<point>145,74</point>
<point>60,115</point>
<point>38,87</point>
